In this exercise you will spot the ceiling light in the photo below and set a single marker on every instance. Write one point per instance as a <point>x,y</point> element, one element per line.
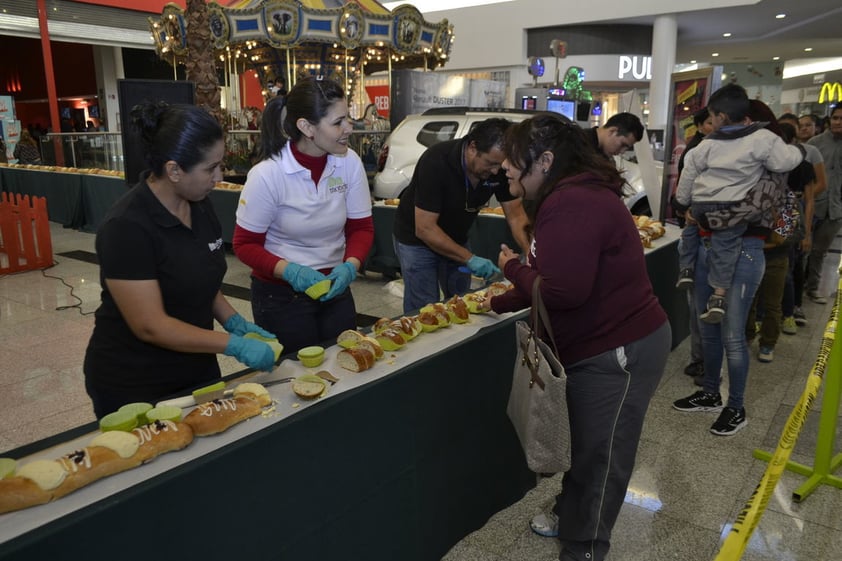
<point>714,54</point>
<point>780,16</point>
<point>726,34</point>
<point>776,58</point>
<point>808,49</point>
<point>692,62</point>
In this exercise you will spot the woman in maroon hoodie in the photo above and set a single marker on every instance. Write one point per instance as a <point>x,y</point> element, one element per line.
<point>612,336</point>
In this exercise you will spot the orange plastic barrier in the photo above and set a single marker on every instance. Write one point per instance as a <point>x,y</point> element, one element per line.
<point>25,242</point>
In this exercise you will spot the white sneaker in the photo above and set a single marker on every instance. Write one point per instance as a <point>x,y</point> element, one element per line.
<point>545,525</point>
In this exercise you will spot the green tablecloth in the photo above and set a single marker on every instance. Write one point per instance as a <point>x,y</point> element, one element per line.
<point>99,192</point>
<point>399,469</point>
<point>225,205</point>
<point>63,192</point>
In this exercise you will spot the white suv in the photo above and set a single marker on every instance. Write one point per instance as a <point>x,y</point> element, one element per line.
<point>416,133</point>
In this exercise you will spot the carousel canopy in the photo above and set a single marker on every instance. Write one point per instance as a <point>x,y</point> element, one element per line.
<point>286,39</point>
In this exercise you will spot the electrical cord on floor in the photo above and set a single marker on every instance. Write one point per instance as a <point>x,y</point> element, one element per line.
<point>78,304</point>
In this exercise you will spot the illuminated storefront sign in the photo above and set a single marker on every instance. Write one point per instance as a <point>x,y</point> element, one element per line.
<point>830,91</point>
<point>640,67</point>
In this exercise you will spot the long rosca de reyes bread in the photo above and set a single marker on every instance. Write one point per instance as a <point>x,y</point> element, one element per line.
<point>218,415</point>
<point>42,481</point>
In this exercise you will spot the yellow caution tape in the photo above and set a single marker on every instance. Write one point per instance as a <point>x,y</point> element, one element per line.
<point>735,543</point>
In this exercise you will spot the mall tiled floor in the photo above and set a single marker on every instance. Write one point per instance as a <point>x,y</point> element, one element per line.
<point>687,489</point>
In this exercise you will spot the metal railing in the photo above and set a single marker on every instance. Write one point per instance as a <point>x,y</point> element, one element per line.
<point>104,150</point>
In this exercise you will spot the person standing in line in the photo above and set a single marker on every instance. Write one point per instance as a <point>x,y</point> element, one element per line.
<point>162,262</point>
<point>828,204</point>
<point>767,310</point>
<point>808,127</point>
<point>794,290</point>
<point>703,121</point>
<point>704,126</point>
<point>304,216</point>
<point>612,335</point>
<point>741,156</point>
<point>451,183</point>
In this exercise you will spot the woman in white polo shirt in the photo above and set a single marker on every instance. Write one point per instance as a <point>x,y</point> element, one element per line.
<point>305,216</point>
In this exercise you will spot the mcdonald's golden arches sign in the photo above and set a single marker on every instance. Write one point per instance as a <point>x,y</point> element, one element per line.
<point>830,91</point>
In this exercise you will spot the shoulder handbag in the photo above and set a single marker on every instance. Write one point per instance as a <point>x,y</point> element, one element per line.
<point>538,400</point>
<point>786,227</point>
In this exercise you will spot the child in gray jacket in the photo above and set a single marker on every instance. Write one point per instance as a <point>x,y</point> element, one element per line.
<point>715,186</point>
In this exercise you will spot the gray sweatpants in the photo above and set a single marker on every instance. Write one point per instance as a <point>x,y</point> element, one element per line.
<point>607,396</point>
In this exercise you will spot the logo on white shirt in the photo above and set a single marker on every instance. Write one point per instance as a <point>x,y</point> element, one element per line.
<point>336,185</point>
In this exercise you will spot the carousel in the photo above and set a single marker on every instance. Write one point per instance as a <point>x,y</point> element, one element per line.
<point>282,41</point>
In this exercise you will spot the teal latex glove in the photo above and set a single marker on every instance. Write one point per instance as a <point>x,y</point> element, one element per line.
<point>300,278</point>
<point>238,325</point>
<point>482,267</point>
<point>251,352</point>
<point>341,278</point>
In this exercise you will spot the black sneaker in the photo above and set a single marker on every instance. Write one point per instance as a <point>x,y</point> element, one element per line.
<point>699,401</point>
<point>695,369</point>
<point>715,310</point>
<point>685,279</point>
<point>699,380</point>
<point>729,422</point>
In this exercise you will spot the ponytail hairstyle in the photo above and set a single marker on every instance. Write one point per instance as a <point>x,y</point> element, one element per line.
<point>572,152</point>
<point>309,98</point>
<point>181,133</point>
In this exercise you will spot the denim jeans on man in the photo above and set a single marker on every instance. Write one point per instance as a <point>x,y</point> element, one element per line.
<point>728,339</point>
<point>725,244</point>
<point>424,272</point>
<point>696,355</point>
<point>823,233</point>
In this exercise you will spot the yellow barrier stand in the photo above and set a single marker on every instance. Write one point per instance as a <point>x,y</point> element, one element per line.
<point>829,360</point>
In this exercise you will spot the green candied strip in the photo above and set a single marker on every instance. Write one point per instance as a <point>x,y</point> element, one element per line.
<point>8,466</point>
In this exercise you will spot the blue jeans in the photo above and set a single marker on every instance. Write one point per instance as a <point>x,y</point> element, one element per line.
<point>696,355</point>
<point>728,339</point>
<point>725,250</point>
<point>424,271</point>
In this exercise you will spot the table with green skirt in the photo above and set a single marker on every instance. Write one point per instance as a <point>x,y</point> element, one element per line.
<point>403,467</point>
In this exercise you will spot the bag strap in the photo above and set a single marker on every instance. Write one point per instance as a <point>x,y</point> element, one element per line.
<point>541,318</point>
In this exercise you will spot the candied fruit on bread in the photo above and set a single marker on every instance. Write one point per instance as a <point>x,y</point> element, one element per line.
<point>496,289</point>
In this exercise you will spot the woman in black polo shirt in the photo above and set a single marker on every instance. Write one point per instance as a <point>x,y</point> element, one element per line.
<point>162,262</point>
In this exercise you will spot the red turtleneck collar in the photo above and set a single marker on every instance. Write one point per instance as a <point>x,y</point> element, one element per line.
<point>316,164</point>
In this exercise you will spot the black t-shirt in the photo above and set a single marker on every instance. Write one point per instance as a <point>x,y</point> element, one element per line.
<point>439,185</point>
<point>141,240</point>
<point>801,176</point>
<point>594,138</point>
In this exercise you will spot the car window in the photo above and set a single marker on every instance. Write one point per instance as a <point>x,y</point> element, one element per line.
<point>437,131</point>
